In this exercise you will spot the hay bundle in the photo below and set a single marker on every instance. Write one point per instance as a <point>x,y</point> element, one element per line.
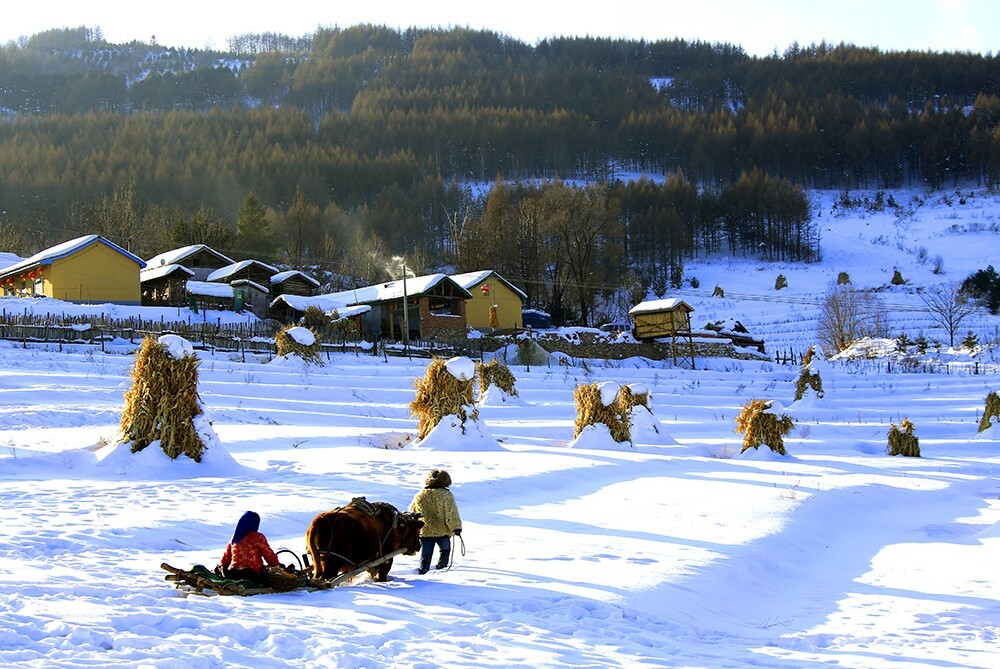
<point>760,427</point>
<point>992,411</point>
<point>441,393</point>
<point>718,292</point>
<point>594,406</point>
<point>300,342</point>
<point>632,396</point>
<point>494,317</point>
<point>162,402</point>
<point>808,378</point>
<point>497,374</point>
<point>903,441</point>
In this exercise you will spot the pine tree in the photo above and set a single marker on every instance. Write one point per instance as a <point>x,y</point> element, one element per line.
<point>253,230</point>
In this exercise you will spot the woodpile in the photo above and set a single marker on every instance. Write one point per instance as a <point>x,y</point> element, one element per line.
<point>162,402</point>
<point>759,426</point>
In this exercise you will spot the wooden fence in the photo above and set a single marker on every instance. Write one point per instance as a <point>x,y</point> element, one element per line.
<point>242,338</point>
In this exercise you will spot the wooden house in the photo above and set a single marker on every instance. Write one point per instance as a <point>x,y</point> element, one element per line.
<point>487,289</point>
<point>88,269</point>
<point>200,259</point>
<point>293,282</point>
<point>250,270</point>
<point>429,306</point>
<point>165,285</point>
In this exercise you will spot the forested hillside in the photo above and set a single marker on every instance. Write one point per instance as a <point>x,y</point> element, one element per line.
<point>340,149</point>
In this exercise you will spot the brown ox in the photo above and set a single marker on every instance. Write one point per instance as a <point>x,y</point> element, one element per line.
<point>343,539</point>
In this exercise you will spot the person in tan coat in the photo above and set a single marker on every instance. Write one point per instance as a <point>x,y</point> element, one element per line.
<point>439,511</point>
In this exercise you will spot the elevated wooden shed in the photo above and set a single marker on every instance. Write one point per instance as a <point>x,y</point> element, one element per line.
<point>661,319</point>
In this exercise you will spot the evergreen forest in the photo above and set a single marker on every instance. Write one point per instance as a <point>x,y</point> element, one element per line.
<point>456,149</point>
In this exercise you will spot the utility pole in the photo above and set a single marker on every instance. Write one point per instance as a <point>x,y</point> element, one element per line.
<point>406,313</point>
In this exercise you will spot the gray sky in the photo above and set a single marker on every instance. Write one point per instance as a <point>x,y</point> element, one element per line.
<point>759,27</point>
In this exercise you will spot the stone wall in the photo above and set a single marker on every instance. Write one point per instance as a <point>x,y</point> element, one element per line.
<point>603,346</point>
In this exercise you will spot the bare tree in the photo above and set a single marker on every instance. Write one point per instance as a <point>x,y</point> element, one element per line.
<point>847,316</point>
<point>948,305</point>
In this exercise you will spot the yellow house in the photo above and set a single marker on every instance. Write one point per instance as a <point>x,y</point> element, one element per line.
<point>489,288</point>
<point>86,269</point>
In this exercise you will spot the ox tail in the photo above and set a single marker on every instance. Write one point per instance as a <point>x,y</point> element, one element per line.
<point>314,539</point>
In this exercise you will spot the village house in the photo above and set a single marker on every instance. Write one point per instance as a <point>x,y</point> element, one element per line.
<point>434,307</point>
<point>88,269</point>
<point>488,289</point>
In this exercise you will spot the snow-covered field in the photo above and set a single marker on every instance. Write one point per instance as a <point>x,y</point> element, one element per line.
<point>675,552</point>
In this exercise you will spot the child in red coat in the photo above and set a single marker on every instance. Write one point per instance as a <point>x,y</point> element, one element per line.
<point>247,551</point>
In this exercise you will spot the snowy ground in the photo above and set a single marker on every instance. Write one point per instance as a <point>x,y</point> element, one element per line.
<point>677,552</point>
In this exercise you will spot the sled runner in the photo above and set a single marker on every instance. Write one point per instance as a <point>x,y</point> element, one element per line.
<point>199,580</point>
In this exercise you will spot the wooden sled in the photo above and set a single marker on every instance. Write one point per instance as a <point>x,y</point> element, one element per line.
<point>201,581</point>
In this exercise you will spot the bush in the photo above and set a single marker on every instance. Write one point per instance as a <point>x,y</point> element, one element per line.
<point>984,287</point>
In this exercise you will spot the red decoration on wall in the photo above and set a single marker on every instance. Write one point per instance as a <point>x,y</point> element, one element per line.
<point>486,289</point>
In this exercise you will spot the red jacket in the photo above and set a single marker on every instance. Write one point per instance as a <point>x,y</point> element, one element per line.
<point>249,553</point>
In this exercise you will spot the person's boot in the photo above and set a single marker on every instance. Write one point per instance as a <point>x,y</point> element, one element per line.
<point>443,560</point>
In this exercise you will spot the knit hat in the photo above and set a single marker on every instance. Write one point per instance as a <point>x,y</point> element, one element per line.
<point>439,478</point>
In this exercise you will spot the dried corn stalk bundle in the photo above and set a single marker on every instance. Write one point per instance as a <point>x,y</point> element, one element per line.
<point>591,410</point>
<point>290,341</point>
<point>760,427</point>
<point>162,402</point>
<point>903,441</point>
<point>629,397</point>
<point>495,373</point>
<point>807,377</point>
<point>494,320</point>
<point>992,411</point>
<point>440,394</point>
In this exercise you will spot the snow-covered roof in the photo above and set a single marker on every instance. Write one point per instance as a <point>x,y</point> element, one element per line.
<point>8,259</point>
<point>393,290</point>
<point>224,273</point>
<point>149,273</point>
<point>469,280</point>
<point>59,251</point>
<point>248,282</point>
<point>209,289</point>
<point>281,277</point>
<point>323,302</point>
<point>177,256</point>
<point>667,304</point>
